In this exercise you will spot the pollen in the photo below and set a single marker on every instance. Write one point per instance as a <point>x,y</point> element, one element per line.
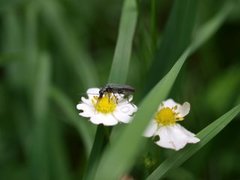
<point>166,116</point>
<point>107,104</point>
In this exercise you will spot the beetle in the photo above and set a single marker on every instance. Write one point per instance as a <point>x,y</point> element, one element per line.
<point>116,88</point>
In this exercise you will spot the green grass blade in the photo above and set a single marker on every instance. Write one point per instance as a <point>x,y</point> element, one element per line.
<point>209,28</point>
<point>84,128</point>
<point>41,86</point>
<point>176,38</point>
<point>59,164</point>
<point>6,4</point>
<point>31,45</point>
<point>120,65</point>
<point>118,74</point>
<point>38,156</point>
<point>131,136</point>
<point>12,45</point>
<point>11,29</point>
<point>76,56</point>
<point>153,25</point>
<point>217,95</point>
<point>100,142</point>
<point>205,135</point>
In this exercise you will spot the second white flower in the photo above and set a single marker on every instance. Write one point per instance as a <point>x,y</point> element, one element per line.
<point>164,124</point>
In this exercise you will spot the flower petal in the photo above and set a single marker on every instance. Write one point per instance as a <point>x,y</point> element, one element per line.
<point>88,111</point>
<point>124,112</point>
<point>191,137</point>
<point>122,117</point>
<point>96,119</point>
<point>151,129</point>
<point>86,101</point>
<point>91,92</point>
<point>130,98</point>
<point>107,120</point>
<point>170,103</point>
<point>120,97</point>
<point>126,108</point>
<point>183,110</point>
<point>175,137</point>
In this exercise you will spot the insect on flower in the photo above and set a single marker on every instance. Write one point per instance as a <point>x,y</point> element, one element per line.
<point>123,89</point>
<point>108,105</point>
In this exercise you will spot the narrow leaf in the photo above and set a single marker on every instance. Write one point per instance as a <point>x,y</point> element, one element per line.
<point>205,136</point>
<point>41,86</point>
<point>84,128</point>
<point>209,28</point>
<point>131,136</point>
<point>176,38</point>
<point>76,56</point>
<point>118,74</point>
<point>120,65</point>
<point>38,156</point>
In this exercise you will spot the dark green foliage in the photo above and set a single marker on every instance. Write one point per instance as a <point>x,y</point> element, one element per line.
<point>52,51</point>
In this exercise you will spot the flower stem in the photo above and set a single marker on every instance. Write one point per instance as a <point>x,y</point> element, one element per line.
<point>100,142</point>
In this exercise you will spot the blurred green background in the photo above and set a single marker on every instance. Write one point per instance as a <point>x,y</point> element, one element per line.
<point>52,51</point>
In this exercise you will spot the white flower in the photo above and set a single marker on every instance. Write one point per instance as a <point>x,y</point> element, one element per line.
<point>164,124</point>
<point>108,110</point>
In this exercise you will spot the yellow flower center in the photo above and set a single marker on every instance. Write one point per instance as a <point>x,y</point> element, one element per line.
<point>106,104</point>
<point>166,116</point>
